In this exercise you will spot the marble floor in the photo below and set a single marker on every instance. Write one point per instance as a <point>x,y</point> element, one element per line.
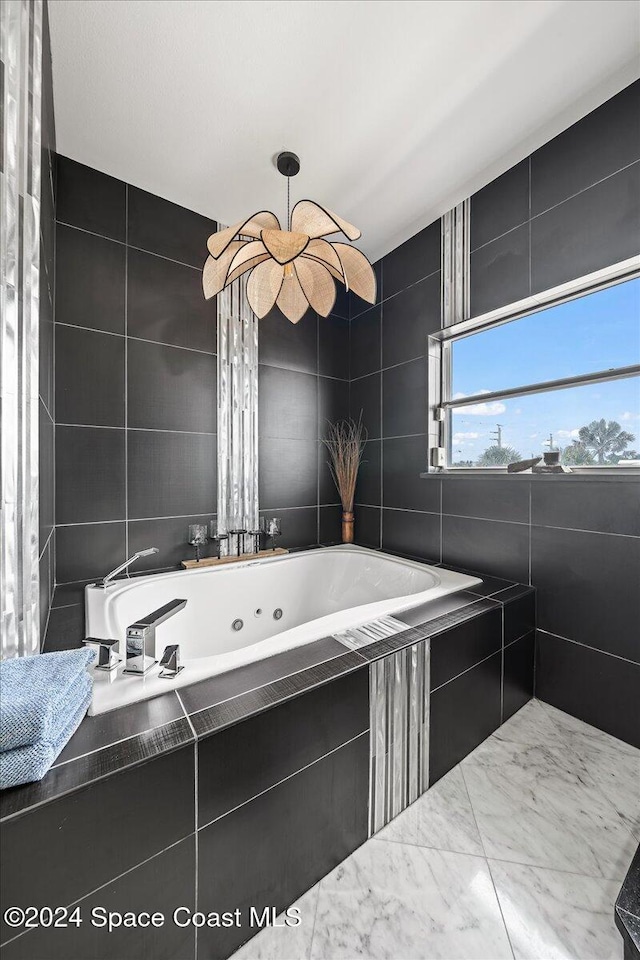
<point>518,852</point>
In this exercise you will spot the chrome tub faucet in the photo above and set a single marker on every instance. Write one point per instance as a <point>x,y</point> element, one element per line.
<point>141,638</point>
<point>123,566</point>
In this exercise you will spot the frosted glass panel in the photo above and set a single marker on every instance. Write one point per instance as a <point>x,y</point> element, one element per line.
<point>237,416</point>
<point>21,63</point>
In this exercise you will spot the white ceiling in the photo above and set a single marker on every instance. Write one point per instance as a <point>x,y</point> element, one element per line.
<point>397,109</point>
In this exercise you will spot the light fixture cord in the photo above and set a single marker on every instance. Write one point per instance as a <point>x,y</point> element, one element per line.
<point>288,203</point>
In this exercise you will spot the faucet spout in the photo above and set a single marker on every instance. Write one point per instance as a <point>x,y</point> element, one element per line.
<point>123,566</point>
<point>141,637</point>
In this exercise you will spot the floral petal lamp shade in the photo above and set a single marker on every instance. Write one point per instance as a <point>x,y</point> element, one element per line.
<point>292,269</point>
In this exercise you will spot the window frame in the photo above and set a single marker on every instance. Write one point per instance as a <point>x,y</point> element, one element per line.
<point>440,367</point>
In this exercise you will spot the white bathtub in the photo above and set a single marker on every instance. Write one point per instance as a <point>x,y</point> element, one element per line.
<point>319,592</point>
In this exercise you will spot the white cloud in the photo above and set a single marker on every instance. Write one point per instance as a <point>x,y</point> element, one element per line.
<point>568,434</point>
<point>628,415</point>
<point>465,437</point>
<point>480,409</point>
<point>483,409</point>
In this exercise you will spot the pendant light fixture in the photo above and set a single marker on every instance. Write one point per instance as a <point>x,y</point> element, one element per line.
<point>293,269</point>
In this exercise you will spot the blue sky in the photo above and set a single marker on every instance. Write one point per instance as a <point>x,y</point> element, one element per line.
<point>592,333</point>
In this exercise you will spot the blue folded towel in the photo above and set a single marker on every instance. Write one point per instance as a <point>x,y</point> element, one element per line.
<point>37,695</point>
<point>26,764</point>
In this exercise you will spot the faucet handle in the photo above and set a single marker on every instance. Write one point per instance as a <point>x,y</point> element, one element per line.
<point>170,662</point>
<point>107,652</point>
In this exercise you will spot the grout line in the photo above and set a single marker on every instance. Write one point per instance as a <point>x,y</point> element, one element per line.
<point>554,206</point>
<point>430,513</point>
<point>381,428</point>
<point>530,535</point>
<point>185,516</point>
<point>398,436</point>
<point>521,637</point>
<point>315,917</point>
<point>124,243</point>
<point>472,667</point>
<point>392,366</point>
<point>46,408</point>
<point>122,336</point>
<point>398,292</point>
<point>502,665</point>
<point>98,778</point>
<point>485,858</point>
<point>102,426</point>
<point>287,676</point>
<point>318,404</point>
<point>49,594</point>
<point>504,922</point>
<point>187,717</point>
<point>126,370</point>
<point>307,506</point>
<point>46,544</point>
<point>54,287</point>
<point>346,743</point>
<point>304,373</point>
<point>109,882</point>
<point>535,650</point>
<point>588,646</point>
<point>114,743</point>
<point>482,856</point>
<point>529,219</point>
<point>196,762</point>
<point>441,525</point>
<point>174,346</point>
<point>462,516</point>
<point>601,533</point>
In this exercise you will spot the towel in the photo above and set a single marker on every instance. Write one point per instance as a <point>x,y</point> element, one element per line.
<point>37,694</point>
<point>29,763</point>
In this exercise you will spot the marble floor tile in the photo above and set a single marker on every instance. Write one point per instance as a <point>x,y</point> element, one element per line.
<point>612,764</point>
<point>531,724</point>
<point>442,818</point>
<point>396,900</point>
<point>552,915</point>
<point>284,943</point>
<point>537,805</point>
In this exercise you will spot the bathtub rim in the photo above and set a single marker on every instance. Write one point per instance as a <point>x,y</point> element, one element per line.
<point>107,698</point>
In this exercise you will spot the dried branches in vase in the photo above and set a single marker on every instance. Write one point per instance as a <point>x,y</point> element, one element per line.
<point>345,443</point>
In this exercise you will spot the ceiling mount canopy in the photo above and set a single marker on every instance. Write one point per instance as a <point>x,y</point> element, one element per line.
<point>293,269</point>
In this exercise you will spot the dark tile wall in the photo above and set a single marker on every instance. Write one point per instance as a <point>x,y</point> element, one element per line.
<point>570,208</point>
<point>135,391</point>
<point>303,383</point>
<point>283,796</point>
<point>291,804</point>
<point>482,672</point>
<point>135,381</point>
<point>46,332</point>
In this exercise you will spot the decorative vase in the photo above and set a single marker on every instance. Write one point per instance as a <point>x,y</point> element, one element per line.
<point>347,526</point>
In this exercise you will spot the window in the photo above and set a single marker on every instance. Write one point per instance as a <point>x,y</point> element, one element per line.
<point>564,378</point>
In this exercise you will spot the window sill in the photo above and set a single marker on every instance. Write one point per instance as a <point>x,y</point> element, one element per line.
<point>625,474</point>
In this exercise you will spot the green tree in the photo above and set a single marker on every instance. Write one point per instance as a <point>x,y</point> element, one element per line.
<point>603,438</point>
<point>495,456</point>
<point>621,458</point>
<point>576,455</point>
